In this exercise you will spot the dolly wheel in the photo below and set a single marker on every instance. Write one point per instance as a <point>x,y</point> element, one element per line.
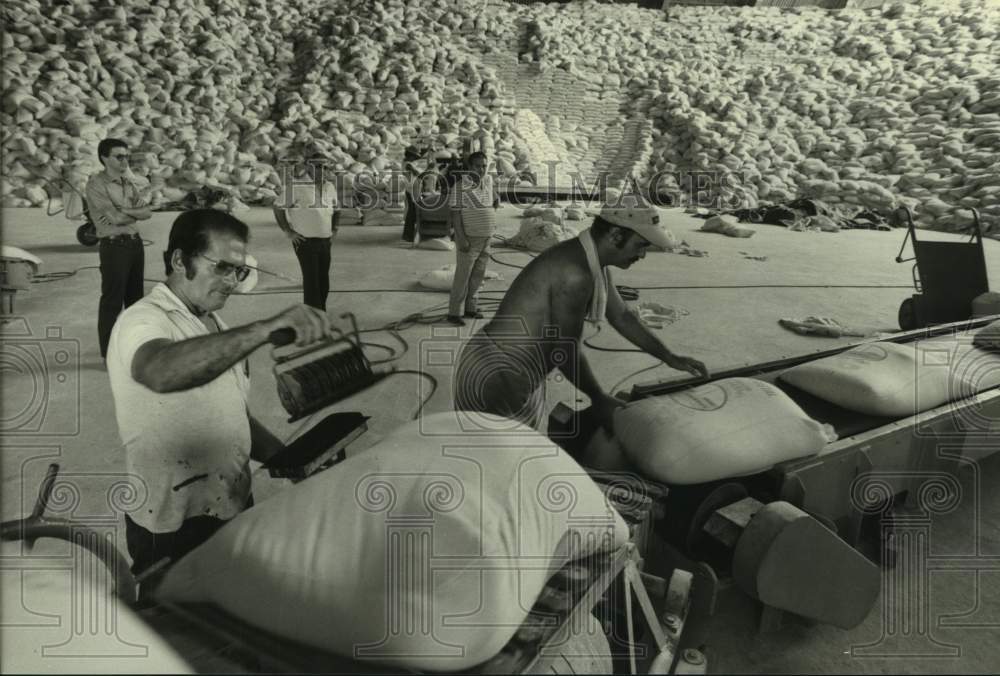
<point>86,234</point>
<point>907,316</point>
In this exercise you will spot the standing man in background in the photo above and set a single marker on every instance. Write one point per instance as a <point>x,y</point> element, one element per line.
<point>474,221</point>
<point>308,215</point>
<point>413,166</point>
<point>116,205</point>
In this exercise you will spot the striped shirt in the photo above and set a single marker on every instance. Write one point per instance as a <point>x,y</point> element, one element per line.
<point>475,202</point>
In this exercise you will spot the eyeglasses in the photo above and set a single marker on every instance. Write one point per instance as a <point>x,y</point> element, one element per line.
<point>123,158</point>
<point>224,269</point>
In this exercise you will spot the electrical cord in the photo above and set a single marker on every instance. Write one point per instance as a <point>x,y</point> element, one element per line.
<point>388,348</point>
<point>434,386</point>
<point>60,275</point>
<point>586,341</point>
<point>614,388</point>
<point>777,286</point>
<point>493,257</point>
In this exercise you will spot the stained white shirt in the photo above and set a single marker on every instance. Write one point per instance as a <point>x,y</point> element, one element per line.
<point>187,453</point>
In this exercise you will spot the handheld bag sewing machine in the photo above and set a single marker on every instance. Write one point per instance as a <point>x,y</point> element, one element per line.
<point>318,375</point>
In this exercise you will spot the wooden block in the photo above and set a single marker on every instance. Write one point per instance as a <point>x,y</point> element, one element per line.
<point>790,561</point>
<point>728,523</point>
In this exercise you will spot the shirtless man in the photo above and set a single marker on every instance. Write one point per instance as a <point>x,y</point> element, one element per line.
<point>540,321</point>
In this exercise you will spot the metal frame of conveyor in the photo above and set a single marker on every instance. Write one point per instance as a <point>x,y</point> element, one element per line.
<point>877,463</point>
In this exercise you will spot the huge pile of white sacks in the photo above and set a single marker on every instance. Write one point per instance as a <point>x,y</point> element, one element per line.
<point>896,105</point>
<point>219,93</point>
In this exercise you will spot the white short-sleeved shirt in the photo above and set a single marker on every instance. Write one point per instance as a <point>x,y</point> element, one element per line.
<point>310,211</point>
<point>188,452</point>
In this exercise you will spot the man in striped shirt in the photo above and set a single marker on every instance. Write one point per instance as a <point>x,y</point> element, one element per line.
<point>474,204</point>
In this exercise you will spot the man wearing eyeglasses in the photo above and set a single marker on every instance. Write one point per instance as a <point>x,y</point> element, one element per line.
<point>180,382</point>
<point>116,205</point>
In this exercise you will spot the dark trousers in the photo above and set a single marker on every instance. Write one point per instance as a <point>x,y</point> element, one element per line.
<point>410,219</point>
<point>314,258</point>
<point>122,264</point>
<point>146,547</point>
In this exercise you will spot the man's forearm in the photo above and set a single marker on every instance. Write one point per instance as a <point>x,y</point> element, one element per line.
<point>137,213</point>
<point>282,219</point>
<point>103,209</point>
<point>173,367</point>
<point>634,331</point>
<point>112,217</point>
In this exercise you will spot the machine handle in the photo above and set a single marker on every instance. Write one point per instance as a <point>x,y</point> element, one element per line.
<point>977,234</point>
<point>45,492</point>
<point>282,337</point>
<point>286,336</point>
<point>909,234</point>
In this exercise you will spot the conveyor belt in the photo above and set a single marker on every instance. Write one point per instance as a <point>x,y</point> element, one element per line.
<point>847,423</point>
<point>572,590</point>
<point>899,454</point>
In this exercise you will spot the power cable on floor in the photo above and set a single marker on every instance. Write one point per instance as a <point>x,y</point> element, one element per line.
<point>586,341</point>
<point>434,386</point>
<point>47,277</point>
<point>493,257</point>
<point>777,286</point>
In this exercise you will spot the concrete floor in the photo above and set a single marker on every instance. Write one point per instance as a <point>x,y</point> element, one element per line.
<point>57,404</point>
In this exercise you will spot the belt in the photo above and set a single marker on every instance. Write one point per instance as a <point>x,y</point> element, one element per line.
<point>116,238</point>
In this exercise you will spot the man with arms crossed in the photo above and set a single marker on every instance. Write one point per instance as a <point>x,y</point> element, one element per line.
<point>116,205</point>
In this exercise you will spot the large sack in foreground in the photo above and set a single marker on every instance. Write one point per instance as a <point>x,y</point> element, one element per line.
<point>732,427</point>
<point>425,551</point>
<point>88,631</point>
<point>887,379</point>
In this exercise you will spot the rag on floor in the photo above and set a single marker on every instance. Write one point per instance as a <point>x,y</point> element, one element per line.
<point>820,326</point>
<point>657,316</point>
